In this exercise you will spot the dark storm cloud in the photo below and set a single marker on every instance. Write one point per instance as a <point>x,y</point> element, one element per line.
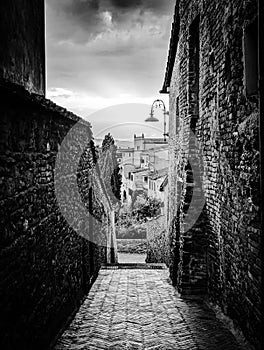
<point>158,6</point>
<point>87,13</point>
<point>93,6</point>
<point>125,4</point>
<point>82,8</point>
<point>75,14</point>
<point>101,50</point>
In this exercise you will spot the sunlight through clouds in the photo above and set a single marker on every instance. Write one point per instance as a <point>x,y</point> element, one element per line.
<point>106,52</point>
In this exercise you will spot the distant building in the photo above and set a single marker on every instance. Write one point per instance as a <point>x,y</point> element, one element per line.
<point>136,181</point>
<point>155,179</point>
<point>144,143</point>
<point>125,155</point>
<point>158,158</point>
<point>149,155</point>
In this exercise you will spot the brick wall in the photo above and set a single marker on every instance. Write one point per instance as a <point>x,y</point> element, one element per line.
<point>46,267</point>
<point>220,253</point>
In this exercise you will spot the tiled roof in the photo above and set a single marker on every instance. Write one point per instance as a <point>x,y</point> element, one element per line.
<point>120,149</point>
<point>158,174</point>
<point>157,141</point>
<point>139,170</point>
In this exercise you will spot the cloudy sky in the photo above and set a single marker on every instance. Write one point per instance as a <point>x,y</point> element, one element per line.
<point>103,53</point>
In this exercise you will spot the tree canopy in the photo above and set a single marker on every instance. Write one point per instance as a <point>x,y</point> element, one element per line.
<point>110,169</point>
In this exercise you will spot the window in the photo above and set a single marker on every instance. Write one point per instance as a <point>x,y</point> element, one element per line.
<point>132,177</point>
<point>129,175</point>
<point>251,58</point>
<point>177,114</point>
<point>145,179</point>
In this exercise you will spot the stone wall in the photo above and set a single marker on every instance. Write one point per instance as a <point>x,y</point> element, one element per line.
<point>46,267</point>
<point>131,246</point>
<point>214,156</point>
<point>22,33</point>
<point>158,249</point>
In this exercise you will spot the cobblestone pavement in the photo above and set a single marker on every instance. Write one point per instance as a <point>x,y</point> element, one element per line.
<point>139,309</point>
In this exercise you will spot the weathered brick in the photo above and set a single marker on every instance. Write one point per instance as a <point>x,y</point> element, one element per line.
<point>221,249</point>
<point>46,267</point>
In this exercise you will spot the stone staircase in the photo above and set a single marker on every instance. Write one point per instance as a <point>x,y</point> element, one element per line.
<point>134,266</point>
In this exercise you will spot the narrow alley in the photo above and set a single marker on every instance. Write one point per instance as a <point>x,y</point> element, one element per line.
<point>140,309</point>
<point>130,220</point>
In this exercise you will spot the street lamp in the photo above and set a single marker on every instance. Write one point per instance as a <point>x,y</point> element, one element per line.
<point>151,118</point>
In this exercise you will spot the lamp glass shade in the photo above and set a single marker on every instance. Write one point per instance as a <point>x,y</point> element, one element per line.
<point>151,119</point>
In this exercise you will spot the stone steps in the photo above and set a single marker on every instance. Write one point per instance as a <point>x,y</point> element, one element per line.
<point>134,266</point>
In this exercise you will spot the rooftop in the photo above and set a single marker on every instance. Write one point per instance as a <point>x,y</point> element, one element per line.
<point>139,170</point>
<point>159,148</point>
<point>158,174</point>
<point>128,149</point>
<point>172,49</point>
<point>155,140</point>
<point>164,183</point>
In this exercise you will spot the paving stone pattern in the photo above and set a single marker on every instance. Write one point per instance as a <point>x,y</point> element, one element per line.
<point>140,309</point>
